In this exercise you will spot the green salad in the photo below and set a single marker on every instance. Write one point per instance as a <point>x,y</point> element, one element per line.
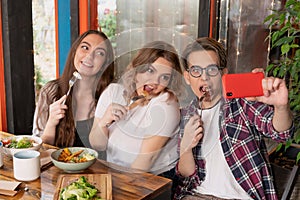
<point>22,143</point>
<point>79,190</point>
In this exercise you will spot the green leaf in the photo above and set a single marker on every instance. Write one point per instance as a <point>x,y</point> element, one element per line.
<point>298,157</point>
<point>288,144</point>
<point>285,48</point>
<point>278,147</point>
<point>269,18</point>
<point>289,3</point>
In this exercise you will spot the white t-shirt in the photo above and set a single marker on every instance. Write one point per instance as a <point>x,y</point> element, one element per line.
<point>160,117</point>
<point>219,180</point>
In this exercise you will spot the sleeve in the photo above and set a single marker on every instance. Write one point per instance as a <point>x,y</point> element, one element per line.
<point>262,116</point>
<point>186,185</point>
<point>42,110</point>
<point>112,94</point>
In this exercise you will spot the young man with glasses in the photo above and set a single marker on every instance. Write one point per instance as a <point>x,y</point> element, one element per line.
<point>222,151</point>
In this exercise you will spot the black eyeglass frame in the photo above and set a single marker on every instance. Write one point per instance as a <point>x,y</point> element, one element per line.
<point>200,69</point>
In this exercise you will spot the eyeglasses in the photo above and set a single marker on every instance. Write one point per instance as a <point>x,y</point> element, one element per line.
<point>196,71</point>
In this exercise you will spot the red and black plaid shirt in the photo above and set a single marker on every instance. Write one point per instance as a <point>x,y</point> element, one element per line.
<point>243,124</point>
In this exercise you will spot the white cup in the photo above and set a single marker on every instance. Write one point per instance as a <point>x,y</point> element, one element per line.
<point>27,165</point>
<point>1,154</point>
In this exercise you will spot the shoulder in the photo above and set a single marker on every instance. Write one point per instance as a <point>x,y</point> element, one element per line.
<point>113,93</point>
<point>50,86</point>
<point>115,87</point>
<point>165,100</point>
<point>191,108</point>
<point>48,91</point>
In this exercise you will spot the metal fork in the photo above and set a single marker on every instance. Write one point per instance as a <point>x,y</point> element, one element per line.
<point>200,104</point>
<point>72,81</point>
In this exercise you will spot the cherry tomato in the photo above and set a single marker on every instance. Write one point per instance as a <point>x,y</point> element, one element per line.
<point>5,141</point>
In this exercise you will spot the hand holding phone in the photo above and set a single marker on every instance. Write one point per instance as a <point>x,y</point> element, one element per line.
<point>242,85</point>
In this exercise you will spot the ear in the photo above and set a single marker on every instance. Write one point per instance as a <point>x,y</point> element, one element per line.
<point>224,71</point>
<point>186,77</point>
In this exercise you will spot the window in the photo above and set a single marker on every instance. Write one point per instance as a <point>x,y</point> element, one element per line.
<point>43,42</point>
<point>131,24</point>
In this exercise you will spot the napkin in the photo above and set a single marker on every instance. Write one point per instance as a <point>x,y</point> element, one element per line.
<point>46,158</point>
<point>8,187</point>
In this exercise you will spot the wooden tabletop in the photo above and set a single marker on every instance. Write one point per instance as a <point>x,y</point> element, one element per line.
<point>126,183</point>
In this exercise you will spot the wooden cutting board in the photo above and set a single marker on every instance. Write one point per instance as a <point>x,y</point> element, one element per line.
<point>101,181</point>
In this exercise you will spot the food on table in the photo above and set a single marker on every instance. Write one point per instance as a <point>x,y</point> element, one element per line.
<point>77,157</point>
<point>80,189</point>
<point>24,142</point>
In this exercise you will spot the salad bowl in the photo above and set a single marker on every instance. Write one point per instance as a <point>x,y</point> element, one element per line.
<point>17,143</point>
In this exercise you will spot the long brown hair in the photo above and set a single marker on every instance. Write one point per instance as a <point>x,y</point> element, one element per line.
<point>65,130</point>
<point>149,54</point>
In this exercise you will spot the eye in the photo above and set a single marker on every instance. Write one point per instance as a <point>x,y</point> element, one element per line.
<point>150,70</point>
<point>196,70</point>
<point>165,78</point>
<point>84,47</point>
<point>100,52</point>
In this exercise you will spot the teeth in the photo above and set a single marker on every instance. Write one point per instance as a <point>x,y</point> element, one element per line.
<point>204,89</point>
<point>87,64</point>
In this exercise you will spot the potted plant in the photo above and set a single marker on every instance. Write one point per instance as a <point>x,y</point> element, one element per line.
<point>284,25</point>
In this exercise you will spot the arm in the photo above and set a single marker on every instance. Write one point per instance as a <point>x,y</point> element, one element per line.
<point>150,149</point>
<point>99,135</point>
<point>193,132</point>
<point>46,117</point>
<point>276,94</point>
<point>100,131</point>
<point>106,113</point>
<point>56,113</point>
<point>162,119</point>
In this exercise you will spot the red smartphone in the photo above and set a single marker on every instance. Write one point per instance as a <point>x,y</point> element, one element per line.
<point>242,85</point>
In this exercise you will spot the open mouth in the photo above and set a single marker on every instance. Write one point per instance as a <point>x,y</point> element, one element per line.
<point>148,89</point>
<point>204,89</point>
<point>86,64</point>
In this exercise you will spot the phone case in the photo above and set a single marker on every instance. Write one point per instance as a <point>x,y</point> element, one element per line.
<point>242,85</point>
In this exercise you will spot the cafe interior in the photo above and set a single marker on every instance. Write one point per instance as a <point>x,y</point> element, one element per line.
<point>36,36</point>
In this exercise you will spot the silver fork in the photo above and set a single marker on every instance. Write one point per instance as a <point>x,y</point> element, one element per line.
<point>72,81</point>
<point>200,104</point>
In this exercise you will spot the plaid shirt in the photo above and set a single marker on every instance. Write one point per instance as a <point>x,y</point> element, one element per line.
<point>242,127</point>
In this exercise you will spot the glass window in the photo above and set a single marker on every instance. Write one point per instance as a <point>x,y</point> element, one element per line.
<point>43,41</point>
<point>131,24</point>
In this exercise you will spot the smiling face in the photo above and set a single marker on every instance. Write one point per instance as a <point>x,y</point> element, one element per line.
<point>90,55</point>
<point>210,86</point>
<point>155,77</point>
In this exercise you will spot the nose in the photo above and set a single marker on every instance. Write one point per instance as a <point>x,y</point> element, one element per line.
<point>204,75</point>
<point>90,54</point>
<point>156,80</point>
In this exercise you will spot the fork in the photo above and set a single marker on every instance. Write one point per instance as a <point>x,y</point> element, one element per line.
<point>72,81</point>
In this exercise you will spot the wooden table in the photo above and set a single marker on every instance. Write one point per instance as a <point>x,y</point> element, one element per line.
<point>126,183</point>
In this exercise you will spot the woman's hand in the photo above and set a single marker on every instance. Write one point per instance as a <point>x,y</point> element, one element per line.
<point>57,111</point>
<point>113,113</point>
<point>193,132</point>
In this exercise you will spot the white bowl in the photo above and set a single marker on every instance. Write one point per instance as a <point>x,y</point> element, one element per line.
<point>73,167</point>
<point>11,151</point>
